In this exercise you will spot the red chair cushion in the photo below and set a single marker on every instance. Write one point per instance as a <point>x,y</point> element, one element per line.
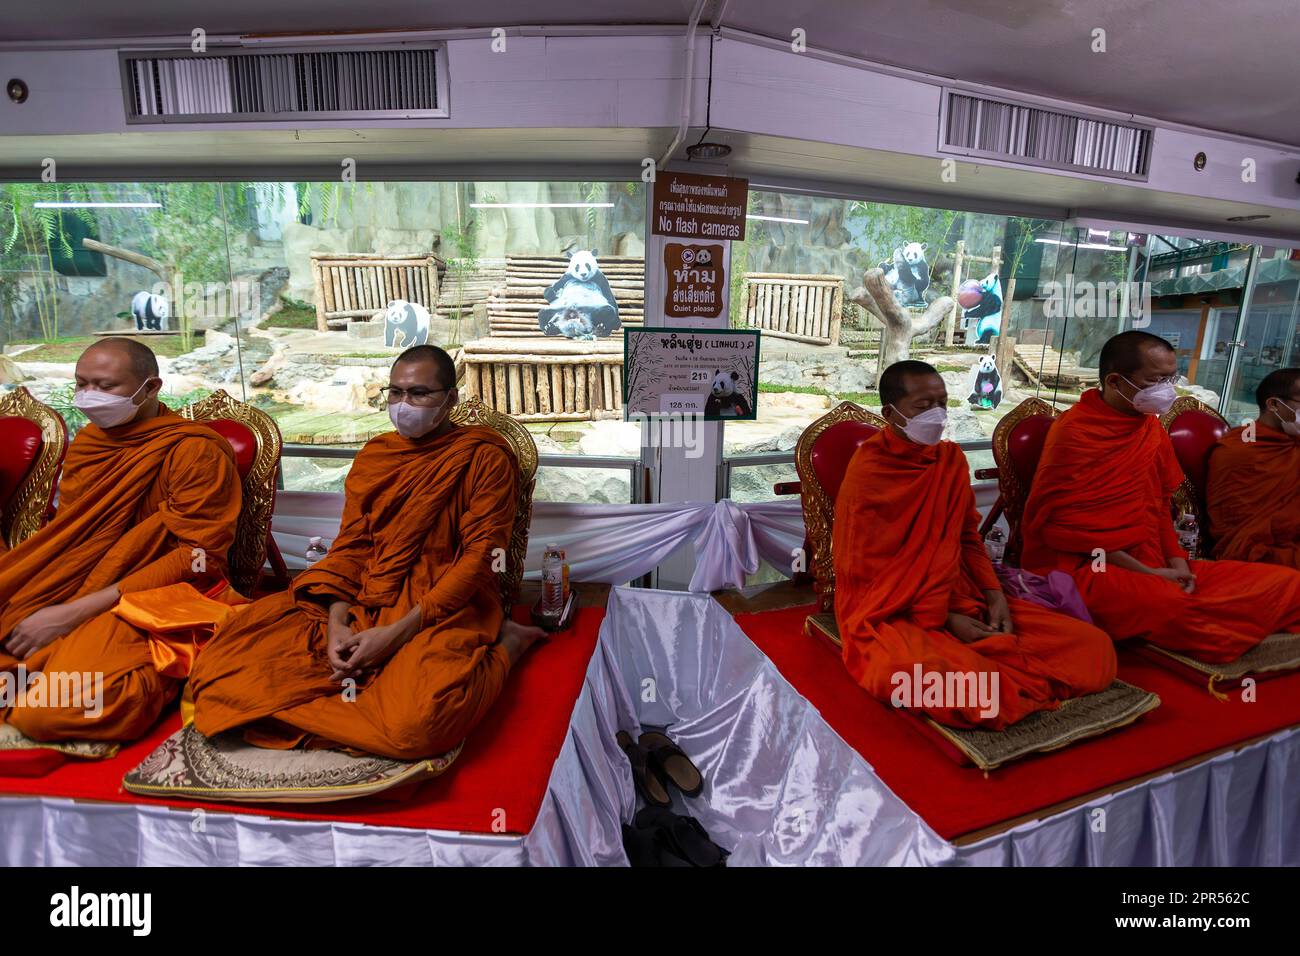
<point>833,450</point>
<point>241,439</point>
<point>20,443</point>
<point>1193,434</point>
<point>1025,447</point>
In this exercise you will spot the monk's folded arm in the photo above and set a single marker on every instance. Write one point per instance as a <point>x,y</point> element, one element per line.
<point>201,513</point>
<point>486,527</point>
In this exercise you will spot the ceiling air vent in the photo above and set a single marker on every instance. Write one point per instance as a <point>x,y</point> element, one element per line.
<point>1015,132</point>
<point>285,84</point>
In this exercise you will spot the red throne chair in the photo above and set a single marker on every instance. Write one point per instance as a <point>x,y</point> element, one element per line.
<point>1018,443</point>
<point>33,442</point>
<point>821,458</point>
<point>257,442</point>
<point>1193,428</point>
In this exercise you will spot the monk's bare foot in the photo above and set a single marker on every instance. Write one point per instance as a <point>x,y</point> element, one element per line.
<point>517,638</point>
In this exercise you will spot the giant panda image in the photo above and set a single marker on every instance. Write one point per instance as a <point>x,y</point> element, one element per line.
<point>583,288</point>
<point>150,311</point>
<point>986,384</point>
<point>984,318</point>
<point>405,324</point>
<point>908,274</point>
<point>724,401</point>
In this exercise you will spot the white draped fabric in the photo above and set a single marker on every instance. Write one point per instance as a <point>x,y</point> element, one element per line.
<point>782,787</point>
<point>609,544</point>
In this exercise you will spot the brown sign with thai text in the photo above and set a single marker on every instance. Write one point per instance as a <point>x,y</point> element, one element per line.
<point>695,281</point>
<point>699,207</point>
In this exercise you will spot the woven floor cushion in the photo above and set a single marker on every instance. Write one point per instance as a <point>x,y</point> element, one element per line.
<point>20,756</point>
<point>225,768</point>
<point>1274,654</point>
<point>1076,719</point>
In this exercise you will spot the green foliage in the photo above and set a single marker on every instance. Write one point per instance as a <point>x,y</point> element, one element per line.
<point>894,226</point>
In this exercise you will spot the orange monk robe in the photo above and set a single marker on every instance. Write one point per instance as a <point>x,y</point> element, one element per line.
<point>1253,496</point>
<point>907,553</point>
<point>1105,482</point>
<point>137,507</point>
<point>423,522</point>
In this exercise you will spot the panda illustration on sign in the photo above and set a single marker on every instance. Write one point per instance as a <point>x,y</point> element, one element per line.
<point>724,401</point>
<point>908,274</point>
<point>986,384</point>
<point>150,311</point>
<point>405,324</point>
<point>583,289</point>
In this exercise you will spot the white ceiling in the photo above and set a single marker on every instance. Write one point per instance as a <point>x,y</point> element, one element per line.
<point>591,154</point>
<point>1229,67</point>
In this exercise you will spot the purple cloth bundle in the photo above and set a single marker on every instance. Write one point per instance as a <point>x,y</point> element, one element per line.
<point>1056,591</point>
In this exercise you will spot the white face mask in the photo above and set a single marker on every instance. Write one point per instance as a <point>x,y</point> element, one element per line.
<point>1154,399</point>
<point>106,409</point>
<point>927,427</point>
<point>1291,427</point>
<point>416,421</point>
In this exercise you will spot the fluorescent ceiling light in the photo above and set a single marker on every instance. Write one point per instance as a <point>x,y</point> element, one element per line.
<point>798,222</point>
<point>97,205</point>
<point>541,205</point>
<point>1084,245</point>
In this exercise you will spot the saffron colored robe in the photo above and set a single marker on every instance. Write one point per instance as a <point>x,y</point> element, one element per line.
<point>1253,497</point>
<point>1105,482</point>
<point>135,504</point>
<point>907,552</point>
<point>422,522</point>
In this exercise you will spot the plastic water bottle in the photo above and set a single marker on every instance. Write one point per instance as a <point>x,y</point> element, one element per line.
<point>996,545</point>
<point>315,550</point>
<point>1189,535</point>
<point>553,581</point>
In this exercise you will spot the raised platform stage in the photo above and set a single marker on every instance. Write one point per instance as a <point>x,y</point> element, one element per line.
<point>802,768</point>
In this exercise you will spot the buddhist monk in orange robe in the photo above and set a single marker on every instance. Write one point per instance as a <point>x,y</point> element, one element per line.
<point>915,590</point>
<point>147,500</point>
<point>1100,508</point>
<point>393,643</point>
<point>1253,489</point>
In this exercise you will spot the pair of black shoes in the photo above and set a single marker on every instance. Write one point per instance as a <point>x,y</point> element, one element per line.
<point>659,836</point>
<point>663,838</point>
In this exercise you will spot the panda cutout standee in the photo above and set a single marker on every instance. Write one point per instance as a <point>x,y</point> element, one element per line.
<point>406,324</point>
<point>908,274</point>
<point>580,303</point>
<point>151,312</point>
<point>724,401</point>
<point>986,384</point>
<point>981,304</point>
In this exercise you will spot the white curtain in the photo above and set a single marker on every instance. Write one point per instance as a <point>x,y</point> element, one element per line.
<point>611,544</point>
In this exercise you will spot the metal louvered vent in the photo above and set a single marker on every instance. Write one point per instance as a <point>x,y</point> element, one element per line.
<point>979,126</point>
<point>281,84</point>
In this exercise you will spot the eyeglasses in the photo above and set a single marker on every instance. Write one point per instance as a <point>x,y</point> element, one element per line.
<point>412,396</point>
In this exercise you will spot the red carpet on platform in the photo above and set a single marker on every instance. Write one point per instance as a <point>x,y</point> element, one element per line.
<point>955,800</point>
<point>504,767</point>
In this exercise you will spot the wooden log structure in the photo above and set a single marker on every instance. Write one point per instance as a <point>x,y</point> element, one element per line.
<point>805,308</point>
<point>356,285</point>
<point>547,379</point>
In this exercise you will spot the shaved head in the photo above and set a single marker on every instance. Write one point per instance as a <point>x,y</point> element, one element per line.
<point>446,368</point>
<point>1282,383</point>
<point>1125,353</point>
<point>139,358</point>
<point>894,383</point>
